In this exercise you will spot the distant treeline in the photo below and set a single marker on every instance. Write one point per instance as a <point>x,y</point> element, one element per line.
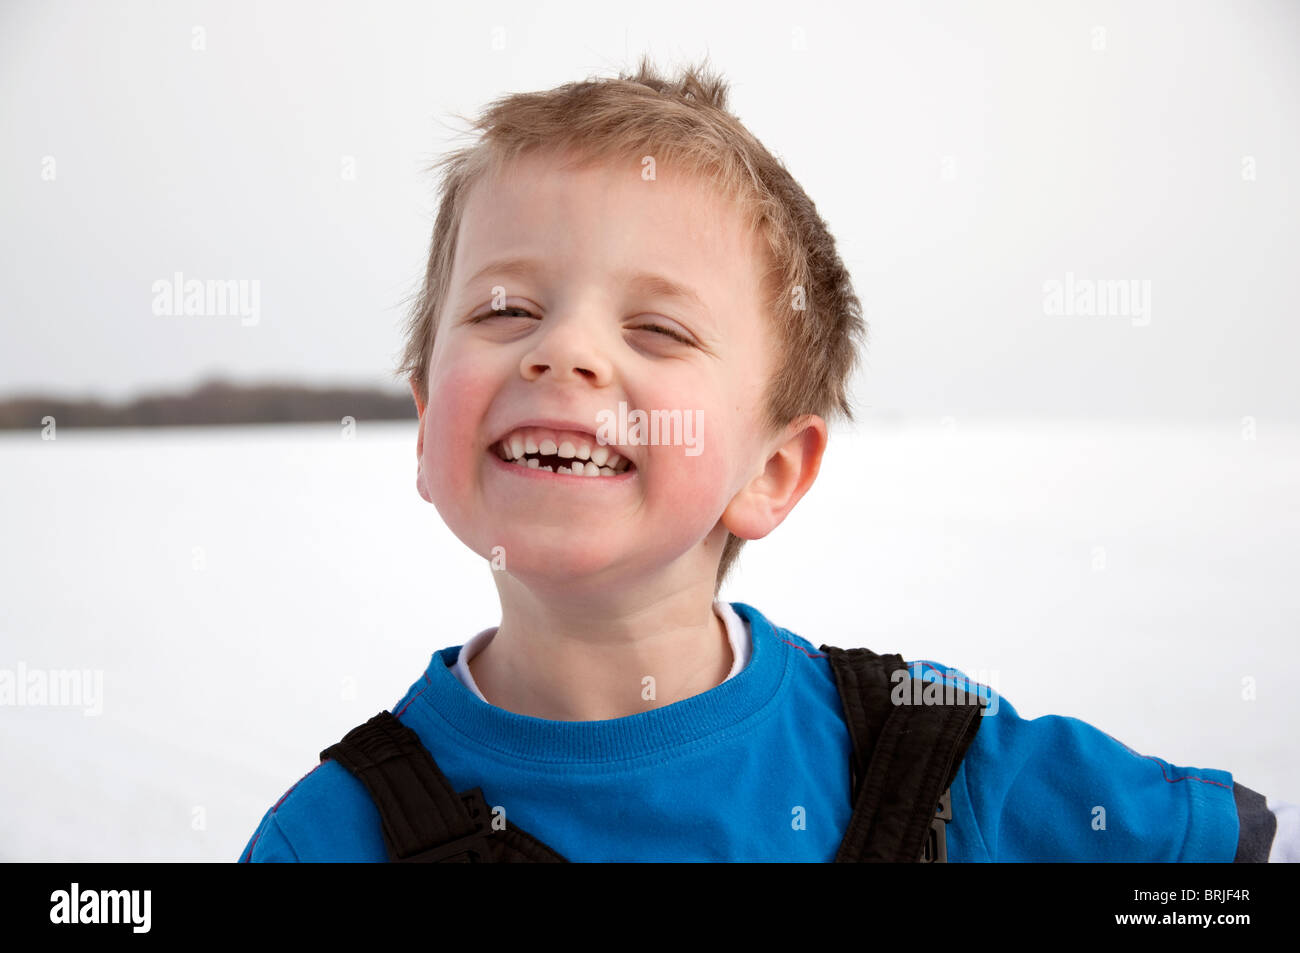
<point>212,402</point>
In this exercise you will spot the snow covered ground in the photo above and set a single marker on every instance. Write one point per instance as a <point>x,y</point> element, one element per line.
<point>250,593</point>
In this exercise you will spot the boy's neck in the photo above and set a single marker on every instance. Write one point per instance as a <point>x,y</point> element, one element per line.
<point>546,665</point>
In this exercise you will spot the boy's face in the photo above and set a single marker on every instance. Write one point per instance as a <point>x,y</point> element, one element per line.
<point>581,345</point>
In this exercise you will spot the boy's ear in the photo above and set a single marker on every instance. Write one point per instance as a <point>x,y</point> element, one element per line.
<point>419,398</point>
<point>419,443</point>
<point>792,466</point>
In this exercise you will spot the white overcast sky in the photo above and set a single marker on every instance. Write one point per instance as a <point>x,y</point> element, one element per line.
<point>963,154</point>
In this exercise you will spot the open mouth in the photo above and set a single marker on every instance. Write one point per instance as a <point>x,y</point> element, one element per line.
<point>568,457</point>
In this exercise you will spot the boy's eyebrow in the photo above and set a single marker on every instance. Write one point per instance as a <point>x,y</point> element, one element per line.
<point>647,283</point>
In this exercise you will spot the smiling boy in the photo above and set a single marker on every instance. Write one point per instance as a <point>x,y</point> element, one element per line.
<point>607,579</point>
<point>627,243</point>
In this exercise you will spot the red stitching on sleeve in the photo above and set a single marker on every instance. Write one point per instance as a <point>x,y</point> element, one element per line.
<point>275,808</point>
<point>1186,777</point>
<point>803,650</point>
<point>415,696</point>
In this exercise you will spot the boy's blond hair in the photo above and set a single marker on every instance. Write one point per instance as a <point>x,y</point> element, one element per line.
<point>683,123</point>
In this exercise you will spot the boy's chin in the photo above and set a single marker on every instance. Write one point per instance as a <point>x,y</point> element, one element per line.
<point>561,562</point>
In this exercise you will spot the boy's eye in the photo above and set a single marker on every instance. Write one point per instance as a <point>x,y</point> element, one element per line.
<point>498,312</point>
<point>662,330</point>
<point>524,312</point>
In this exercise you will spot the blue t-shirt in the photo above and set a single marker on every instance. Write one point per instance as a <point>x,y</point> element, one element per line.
<point>757,769</point>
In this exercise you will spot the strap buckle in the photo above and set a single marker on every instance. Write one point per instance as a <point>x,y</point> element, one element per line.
<point>935,849</point>
<point>472,848</point>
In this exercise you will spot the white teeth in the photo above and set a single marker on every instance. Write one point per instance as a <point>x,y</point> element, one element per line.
<point>578,468</point>
<point>515,446</point>
<point>581,458</point>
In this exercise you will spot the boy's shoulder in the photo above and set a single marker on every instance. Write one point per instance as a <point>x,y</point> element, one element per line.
<point>760,626</point>
<point>1055,787</point>
<point>328,813</point>
<point>292,829</point>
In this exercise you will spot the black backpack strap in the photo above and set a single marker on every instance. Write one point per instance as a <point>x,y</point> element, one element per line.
<point>424,819</point>
<point>904,759</point>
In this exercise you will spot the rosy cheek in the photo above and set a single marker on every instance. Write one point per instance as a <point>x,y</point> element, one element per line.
<point>697,484</point>
<point>457,403</point>
<point>700,477</point>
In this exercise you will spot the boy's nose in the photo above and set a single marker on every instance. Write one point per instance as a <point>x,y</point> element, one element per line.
<point>565,353</point>
<point>578,372</point>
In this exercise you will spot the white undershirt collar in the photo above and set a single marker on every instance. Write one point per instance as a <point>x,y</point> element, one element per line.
<point>737,636</point>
